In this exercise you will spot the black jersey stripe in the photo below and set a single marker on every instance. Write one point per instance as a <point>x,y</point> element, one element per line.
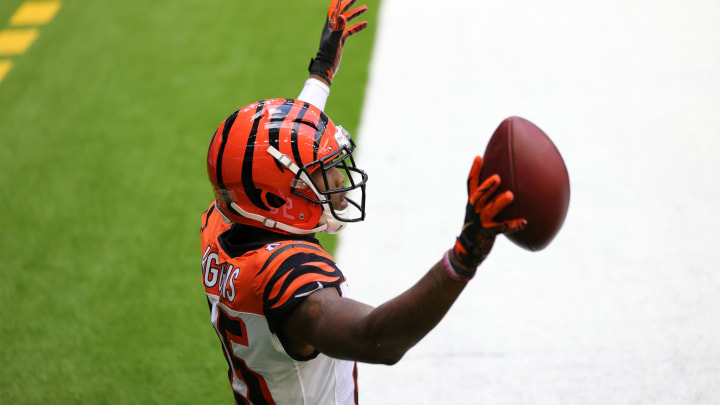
<point>293,267</point>
<point>283,249</point>
<point>247,173</point>
<point>276,308</point>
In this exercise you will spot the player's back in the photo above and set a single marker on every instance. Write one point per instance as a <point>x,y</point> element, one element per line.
<point>253,278</point>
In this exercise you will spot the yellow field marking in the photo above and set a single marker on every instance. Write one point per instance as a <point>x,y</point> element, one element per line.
<point>35,13</point>
<point>5,66</point>
<point>15,42</point>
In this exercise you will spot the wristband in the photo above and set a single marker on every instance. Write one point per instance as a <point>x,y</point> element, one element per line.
<point>455,274</point>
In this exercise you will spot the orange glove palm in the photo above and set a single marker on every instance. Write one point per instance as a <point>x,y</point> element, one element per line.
<point>480,228</point>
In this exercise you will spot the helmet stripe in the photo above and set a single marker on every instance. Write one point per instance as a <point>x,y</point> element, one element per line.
<point>294,135</point>
<point>319,133</point>
<point>280,114</point>
<point>247,165</point>
<point>226,130</point>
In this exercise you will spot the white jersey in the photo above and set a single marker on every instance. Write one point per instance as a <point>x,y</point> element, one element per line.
<point>249,295</point>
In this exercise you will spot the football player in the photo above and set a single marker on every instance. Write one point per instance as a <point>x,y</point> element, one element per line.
<point>282,171</point>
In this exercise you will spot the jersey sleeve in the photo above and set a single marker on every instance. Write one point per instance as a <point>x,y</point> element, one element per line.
<point>292,272</point>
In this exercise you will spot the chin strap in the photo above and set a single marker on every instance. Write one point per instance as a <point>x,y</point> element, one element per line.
<point>332,225</point>
<point>279,225</point>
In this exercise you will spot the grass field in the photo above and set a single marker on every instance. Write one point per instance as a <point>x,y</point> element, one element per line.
<point>104,125</point>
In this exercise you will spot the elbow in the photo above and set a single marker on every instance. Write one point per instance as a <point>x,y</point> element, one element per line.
<point>388,356</point>
<point>391,361</point>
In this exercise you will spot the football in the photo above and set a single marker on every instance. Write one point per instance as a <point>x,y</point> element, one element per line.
<point>530,166</point>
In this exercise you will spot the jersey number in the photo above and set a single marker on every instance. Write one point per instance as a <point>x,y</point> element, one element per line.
<point>232,330</point>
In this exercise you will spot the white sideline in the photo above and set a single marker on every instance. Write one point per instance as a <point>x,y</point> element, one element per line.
<point>624,306</point>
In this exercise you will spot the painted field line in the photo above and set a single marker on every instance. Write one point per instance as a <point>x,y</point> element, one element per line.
<point>16,41</point>
<point>35,13</point>
<point>5,66</point>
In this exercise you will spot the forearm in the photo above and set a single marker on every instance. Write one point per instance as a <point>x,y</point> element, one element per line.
<point>397,325</point>
<point>352,330</point>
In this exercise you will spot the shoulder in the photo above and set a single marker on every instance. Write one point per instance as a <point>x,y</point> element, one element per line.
<point>292,270</point>
<point>294,251</point>
<point>294,262</point>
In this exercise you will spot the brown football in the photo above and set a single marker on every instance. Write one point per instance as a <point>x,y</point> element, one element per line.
<point>531,167</point>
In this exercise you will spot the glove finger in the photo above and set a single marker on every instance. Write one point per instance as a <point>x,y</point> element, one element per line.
<point>474,176</point>
<point>514,225</point>
<point>510,226</point>
<point>494,207</point>
<point>334,12</point>
<point>340,25</point>
<point>483,193</point>
<point>354,30</point>
<point>347,4</point>
<point>354,13</point>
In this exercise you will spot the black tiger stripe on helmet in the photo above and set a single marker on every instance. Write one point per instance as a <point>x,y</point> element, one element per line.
<point>261,160</point>
<point>294,136</point>
<point>227,125</point>
<point>319,131</point>
<point>251,191</point>
<point>279,115</point>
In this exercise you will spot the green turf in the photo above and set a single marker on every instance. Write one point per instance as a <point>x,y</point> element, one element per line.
<point>104,125</point>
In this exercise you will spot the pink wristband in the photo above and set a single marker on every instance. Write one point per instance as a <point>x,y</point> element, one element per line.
<point>454,274</point>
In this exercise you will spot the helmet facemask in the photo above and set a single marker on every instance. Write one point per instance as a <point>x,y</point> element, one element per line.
<point>352,190</point>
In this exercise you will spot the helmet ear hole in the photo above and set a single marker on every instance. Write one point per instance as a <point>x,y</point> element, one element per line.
<point>274,200</point>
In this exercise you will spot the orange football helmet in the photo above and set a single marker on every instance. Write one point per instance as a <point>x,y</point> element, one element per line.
<point>260,162</point>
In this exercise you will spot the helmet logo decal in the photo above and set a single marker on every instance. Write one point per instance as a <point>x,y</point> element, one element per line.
<point>226,130</point>
<point>251,191</point>
<point>287,207</point>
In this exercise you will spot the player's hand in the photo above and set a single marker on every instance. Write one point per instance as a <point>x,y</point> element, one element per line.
<point>335,32</point>
<point>480,228</point>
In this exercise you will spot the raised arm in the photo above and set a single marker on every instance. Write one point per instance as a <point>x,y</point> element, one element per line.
<point>326,63</point>
<point>335,32</point>
<point>344,328</point>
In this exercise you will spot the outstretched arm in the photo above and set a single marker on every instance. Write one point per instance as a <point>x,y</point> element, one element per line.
<point>344,328</point>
